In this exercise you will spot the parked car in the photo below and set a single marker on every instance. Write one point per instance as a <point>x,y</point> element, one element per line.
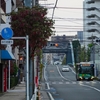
<point>65,69</point>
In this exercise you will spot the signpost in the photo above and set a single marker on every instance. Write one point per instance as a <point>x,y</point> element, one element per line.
<point>6,42</point>
<point>6,34</point>
<point>27,63</point>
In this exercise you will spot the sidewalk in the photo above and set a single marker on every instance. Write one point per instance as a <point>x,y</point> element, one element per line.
<point>43,90</point>
<point>43,93</point>
<point>18,93</point>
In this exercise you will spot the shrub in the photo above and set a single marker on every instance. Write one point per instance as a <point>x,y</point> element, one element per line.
<point>13,81</point>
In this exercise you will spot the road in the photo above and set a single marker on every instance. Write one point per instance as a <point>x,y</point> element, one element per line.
<point>65,87</point>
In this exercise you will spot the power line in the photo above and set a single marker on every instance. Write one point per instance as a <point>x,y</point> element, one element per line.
<point>54,8</point>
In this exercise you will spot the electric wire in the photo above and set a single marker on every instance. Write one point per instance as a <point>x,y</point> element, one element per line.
<point>54,9</point>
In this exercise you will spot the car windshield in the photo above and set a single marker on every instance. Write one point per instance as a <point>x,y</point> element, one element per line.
<point>65,67</point>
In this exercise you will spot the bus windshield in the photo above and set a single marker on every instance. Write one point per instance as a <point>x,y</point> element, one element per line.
<point>86,70</point>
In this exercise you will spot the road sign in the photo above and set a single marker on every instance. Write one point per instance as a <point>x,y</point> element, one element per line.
<point>7,42</point>
<point>7,33</point>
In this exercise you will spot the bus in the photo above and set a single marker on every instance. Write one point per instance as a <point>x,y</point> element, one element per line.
<point>84,71</point>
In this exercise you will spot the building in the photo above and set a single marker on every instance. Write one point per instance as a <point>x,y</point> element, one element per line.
<point>5,8</point>
<point>80,37</point>
<point>62,38</point>
<point>91,23</point>
<point>91,17</point>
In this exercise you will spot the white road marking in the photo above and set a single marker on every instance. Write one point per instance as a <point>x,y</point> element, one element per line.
<point>60,82</point>
<point>73,82</point>
<point>53,82</point>
<point>87,82</point>
<point>91,87</point>
<point>67,82</point>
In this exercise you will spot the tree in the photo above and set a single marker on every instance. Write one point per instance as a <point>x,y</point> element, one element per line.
<point>76,49</point>
<point>32,22</point>
<point>83,54</point>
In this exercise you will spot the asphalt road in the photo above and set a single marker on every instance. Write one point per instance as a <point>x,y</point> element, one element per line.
<point>65,87</point>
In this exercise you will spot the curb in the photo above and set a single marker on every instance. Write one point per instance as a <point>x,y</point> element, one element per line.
<point>47,84</point>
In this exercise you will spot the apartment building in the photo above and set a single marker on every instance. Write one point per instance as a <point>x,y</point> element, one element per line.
<point>91,23</point>
<point>91,19</point>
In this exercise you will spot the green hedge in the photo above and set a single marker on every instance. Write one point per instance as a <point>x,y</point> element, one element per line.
<point>13,81</point>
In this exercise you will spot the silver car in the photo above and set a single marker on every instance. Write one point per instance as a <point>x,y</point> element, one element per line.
<point>65,69</point>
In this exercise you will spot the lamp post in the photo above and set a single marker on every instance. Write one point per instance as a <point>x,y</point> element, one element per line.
<point>93,57</point>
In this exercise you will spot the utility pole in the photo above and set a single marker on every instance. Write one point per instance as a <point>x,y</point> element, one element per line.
<point>30,4</point>
<point>94,56</point>
<point>72,53</point>
<point>0,27</point>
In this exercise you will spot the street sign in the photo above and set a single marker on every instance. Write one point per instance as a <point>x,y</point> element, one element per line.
<point>7,33</point>
<point>7,42</point>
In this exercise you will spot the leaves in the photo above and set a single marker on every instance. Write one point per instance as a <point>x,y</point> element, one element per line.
<point>33,22</point>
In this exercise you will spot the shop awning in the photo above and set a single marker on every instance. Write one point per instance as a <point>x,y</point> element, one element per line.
<point>6,55</point>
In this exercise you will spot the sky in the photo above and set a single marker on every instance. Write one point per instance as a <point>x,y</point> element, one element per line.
<point>68,15</point>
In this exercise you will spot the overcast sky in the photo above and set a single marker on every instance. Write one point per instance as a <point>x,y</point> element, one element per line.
<point>68,15</point>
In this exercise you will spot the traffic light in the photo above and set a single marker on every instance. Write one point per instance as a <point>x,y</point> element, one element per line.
<point>54,44</point>
<point>98,40</point>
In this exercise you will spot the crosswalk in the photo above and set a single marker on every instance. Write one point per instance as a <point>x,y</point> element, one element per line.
<point>75,82</point>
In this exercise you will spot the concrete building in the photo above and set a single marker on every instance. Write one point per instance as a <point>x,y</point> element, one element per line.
<point>80,37</point>
<point>6,6</point>
<point>91,19</point>
<point>62,38</point>
<point>95,58</point>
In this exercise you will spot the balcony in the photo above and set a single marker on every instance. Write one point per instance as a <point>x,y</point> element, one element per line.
<point>91,23</point>
<point>91,30</point>
<point>91,9</point>
<point>90,2</point>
